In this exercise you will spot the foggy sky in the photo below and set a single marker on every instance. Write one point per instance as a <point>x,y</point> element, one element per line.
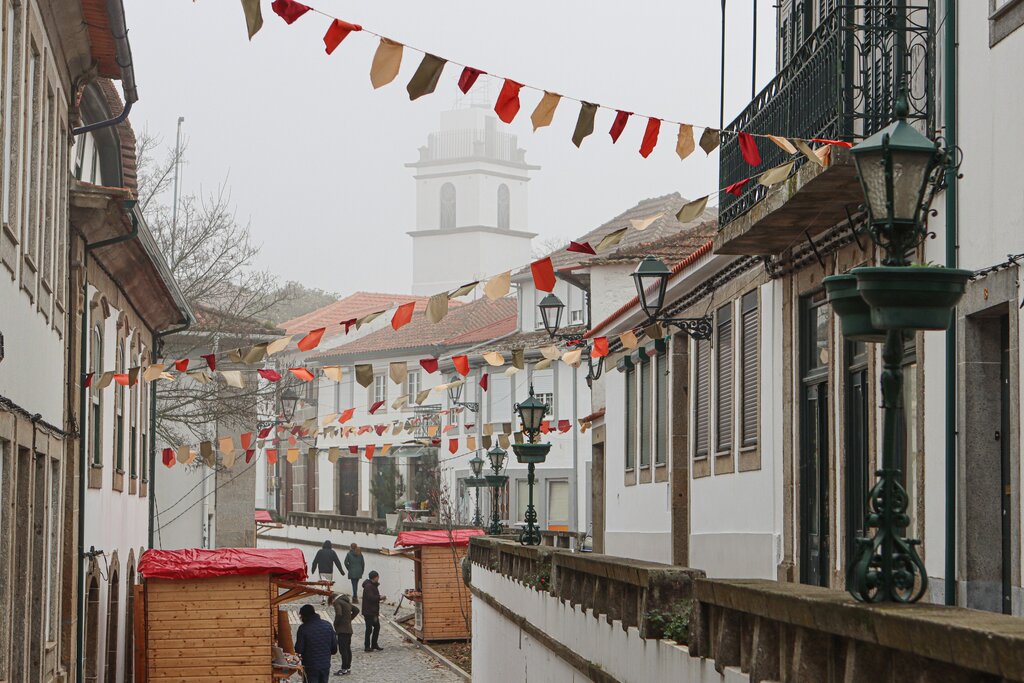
<point>314,156</point>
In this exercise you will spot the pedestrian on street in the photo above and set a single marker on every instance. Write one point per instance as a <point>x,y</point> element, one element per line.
<point>354,563</point>
<point>371,611</point>
<point>324,563</point>
<point>315,643</point>
<point>344,613</point>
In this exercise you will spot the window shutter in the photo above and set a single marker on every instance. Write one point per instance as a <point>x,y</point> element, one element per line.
<point>751,371</point>
<point>630,419</point>
<point>703,399</point>
<point>724,380</point>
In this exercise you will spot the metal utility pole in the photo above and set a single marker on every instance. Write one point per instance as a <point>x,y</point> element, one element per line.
<point>177,167</point>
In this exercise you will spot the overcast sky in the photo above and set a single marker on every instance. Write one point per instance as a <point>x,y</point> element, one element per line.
<point>314,156</point>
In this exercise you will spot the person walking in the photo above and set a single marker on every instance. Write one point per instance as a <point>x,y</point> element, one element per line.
<point>315,642</point>
<point>354,563</point>
<point>324,563</point>
<point>371,611</point>
<point>344,613</point>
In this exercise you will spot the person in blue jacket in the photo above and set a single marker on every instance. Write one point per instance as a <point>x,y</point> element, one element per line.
<point>316,642</point>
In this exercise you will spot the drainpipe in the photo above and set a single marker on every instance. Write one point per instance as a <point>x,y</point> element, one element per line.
<point>575,523</point>
<point>82,451</point>
<point>949,111</point>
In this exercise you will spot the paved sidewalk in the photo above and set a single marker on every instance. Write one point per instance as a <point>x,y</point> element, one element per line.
<point>400,662</point>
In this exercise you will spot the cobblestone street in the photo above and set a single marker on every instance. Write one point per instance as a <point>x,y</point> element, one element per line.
<point>400,662</point>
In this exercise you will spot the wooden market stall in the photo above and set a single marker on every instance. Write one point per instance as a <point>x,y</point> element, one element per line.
<point>213,615</point>
<point>441,598</point>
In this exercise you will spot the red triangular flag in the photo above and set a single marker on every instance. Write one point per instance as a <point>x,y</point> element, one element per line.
<point>380,429</point>
<point>302,373</point>
<point>545,426</point>
<point>349,323</point>
<point>543,274</point>
<point>245,440</point>
<point>311,340</point>
<point>121,378</point>
<point>211,361</point>
<point>181,365</point>
<point>736,189</point>
<point>650,137</point>
<point>354,450</point>
<point>453,446</point>
<point>484,381</point>
<point>269,375</point>
<point>564,426</point>
<point>429,364</point>
<point>837,143</point>
<point>168,457</point>
<point>370,448</point>
<point>271,456</point>
<point>375,407</point>
<point>88,380</point>
<point>507,105</point>
<point>600,349</point>
<point>263,433</point>
<point>289,10</point>
<point>461,364</point>
<point>347,415</point>
<point>581,248</point>
<point>403,315</point>
<point>249,452</point>
<point>748,146</point>
<point>337,32</point>
<point>468,78</point>
<point>619,124</point>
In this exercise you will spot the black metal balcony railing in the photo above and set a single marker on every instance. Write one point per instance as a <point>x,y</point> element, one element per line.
<point>840,84</point>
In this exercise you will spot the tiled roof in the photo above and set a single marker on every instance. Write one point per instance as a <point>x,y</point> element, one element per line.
<point>471,323</point>
<point>665,226</point>
<point>352,306</point>
<point>531,340</point>
<point>671,248</point>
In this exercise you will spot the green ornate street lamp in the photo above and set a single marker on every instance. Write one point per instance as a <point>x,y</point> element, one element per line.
<point>476,465</point>
<point>497,456</point>
<point>900,171</point>
<point>531,415</point>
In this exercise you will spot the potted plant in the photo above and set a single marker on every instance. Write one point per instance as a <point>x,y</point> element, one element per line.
<point>916,297</point>
<point>854,313</point>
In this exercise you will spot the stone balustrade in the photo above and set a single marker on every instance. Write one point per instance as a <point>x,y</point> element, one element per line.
<point>327,520</point>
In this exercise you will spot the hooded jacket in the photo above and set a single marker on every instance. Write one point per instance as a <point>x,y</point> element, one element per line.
<point>355,564</point>
<point>325,561</point>
<point>371,599</point>
<point>344,613</point>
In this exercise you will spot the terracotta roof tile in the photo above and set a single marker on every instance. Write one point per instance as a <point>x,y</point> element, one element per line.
<point>352,306</point>
<point>671,248</point>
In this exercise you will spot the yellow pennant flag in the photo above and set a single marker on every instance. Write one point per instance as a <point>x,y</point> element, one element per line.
<point>104,380</point>
<point>494,358</point>
<point>369,318</point>
<point>422,396</point>
<point>511,370</point>
<point>385,448</point>
<point>464,289</point>
<point>153,372</point>
<point>691,211</point>
<point>279,344</point>
<point>253,16</point>
<point>610,240</point>
<point>628,339</point>
<point>397,429</point>
<point>573,358</point>
<point>519,358</point>
<point>332,372</point>
<point>776,175</point>
<point>824,153</point>
<point>400,402</point>
<point>255,354</point>
<point>364,374</point>
<point>386,62</point>
<point>167,376</point>
<point>398,371</point>
<point>654,331</point>
<point>543,364</point>
<point>470,443</point>
<point>503,441</point>
<point>432,431</point>
<point>437,307</point>
<point>545,111</point>
<point>488,429</point>
<point>235,355</point>
<point>807,151</point>
<point>332,454</point>
<point>233,378</point>
<point>183,454</point>
<point>329,419</point>
<point>498,286</point>
<point>684,142</point>
<point>642,224</point>
<point>550,352</point>
<point>293,454</point>
<point>199,376</point>
<point>206,451</point>
<point>783,144</point>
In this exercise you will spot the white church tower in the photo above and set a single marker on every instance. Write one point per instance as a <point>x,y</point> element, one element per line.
<point>471,209</point>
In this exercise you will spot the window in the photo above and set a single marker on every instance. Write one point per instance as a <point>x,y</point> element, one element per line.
<point>750,369</point>
<point>723,379</point>
<point>1005,17</point>
<point>522,498</point>
<point>412,384</point>
<point>96,355</point>
<point>8,104</point>
<point>576,316</point>
<point>29,230</point>
<point>133,444</point>
<point>558,504</point>
<point>661,408</point>
<point>503,207</point>
<point>644,374</point>
<point>53,553</point>
<point>447,219</point>
<point>702,399</point>
<point>119,411</point>
<point>538,319</point>
<point>630,418</point>
<point>80,156</point>
<point>380,388</point>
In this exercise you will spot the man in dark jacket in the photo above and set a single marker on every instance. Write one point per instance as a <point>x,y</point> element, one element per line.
<point>344,613</point>
<point>354,563</point>
<point>315,643</point>
<point>371,611</point>
<point>324,563</point>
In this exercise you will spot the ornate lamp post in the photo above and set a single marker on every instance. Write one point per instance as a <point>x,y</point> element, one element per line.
<point>551,308</point>
<point>476,465</point>
<point>900,171</point>
<point>455,393</point>
<point>651,280</point>
<point>497,456</point>
<point>531,414</point>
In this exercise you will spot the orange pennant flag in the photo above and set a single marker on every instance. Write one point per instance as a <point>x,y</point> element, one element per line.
<point>600,347</point>
<point>370,448</point>
<point>311,340</point>
<point>347,415</point>
<point>302,374</point>
<point>403,315</point>
<point>461,364</point>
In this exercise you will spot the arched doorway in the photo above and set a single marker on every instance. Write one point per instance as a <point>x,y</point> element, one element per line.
<point>129,621</point>
<point>113,614</point>
<point>91,648</point>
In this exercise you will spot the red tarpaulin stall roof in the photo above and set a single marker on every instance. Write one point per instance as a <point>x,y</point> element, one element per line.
<point>263,516</point>
<point>458,537</point>
<point>196,563</point>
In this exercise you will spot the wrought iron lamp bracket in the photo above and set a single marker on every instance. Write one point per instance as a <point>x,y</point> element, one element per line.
<point>698,329</point>
<point>471,406</point>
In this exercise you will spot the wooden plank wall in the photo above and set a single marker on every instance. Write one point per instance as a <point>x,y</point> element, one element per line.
<point>209,630</point>
<point>446,599</point>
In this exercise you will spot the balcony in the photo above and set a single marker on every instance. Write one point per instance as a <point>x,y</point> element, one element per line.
<point>839,84</point>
